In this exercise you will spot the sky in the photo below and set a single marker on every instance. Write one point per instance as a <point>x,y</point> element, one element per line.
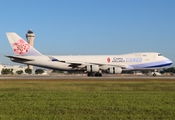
<point>85,27</point>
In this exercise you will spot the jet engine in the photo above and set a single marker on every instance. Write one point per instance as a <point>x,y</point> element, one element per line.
<point>92,68</point>
<point>115,70</point>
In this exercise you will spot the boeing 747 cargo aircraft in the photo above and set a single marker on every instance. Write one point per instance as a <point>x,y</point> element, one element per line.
<point>92,64</point>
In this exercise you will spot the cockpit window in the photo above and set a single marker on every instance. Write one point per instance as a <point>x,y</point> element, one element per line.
<point>159,54</point>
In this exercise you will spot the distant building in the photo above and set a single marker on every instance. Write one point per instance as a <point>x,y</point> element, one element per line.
<point>12,67</point>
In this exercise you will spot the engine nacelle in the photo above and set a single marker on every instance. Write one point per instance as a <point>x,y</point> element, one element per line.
<point>92,68</point>
<point>115,70</point>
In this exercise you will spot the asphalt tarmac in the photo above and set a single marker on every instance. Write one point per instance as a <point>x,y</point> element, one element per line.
<point>78,77</point>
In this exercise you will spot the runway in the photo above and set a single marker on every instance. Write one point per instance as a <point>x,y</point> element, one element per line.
<point>82,77</point>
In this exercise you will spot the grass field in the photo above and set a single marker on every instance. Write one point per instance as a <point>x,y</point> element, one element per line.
<point>87,99</point>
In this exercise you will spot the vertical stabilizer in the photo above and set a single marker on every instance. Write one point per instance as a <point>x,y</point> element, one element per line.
<point>20,46</point>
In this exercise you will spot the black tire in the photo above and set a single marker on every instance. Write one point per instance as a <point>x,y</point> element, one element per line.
<point>98,74</point>
<point>89,74</point>
<point>154,74</point>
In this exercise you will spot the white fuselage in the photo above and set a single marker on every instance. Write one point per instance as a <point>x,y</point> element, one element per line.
<point>126,61</point>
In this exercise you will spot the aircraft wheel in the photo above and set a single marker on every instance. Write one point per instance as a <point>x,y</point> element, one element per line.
<point>98,74</point>
<point>89,74</point>
<point>154,74</point>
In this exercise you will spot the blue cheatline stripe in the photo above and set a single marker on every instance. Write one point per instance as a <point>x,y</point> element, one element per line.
<point>153,64</point>
<point>163,65</point>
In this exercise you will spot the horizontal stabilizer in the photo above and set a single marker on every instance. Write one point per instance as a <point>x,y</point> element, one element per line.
<point>18,58</point>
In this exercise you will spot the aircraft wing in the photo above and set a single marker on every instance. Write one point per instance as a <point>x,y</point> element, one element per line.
<point>19,58</point>
<point>77,64</point>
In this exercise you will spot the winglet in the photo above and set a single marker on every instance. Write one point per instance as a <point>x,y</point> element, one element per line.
<point>20,46</point>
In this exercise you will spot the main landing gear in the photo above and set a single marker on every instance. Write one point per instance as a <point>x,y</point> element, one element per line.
<point>97,74</point>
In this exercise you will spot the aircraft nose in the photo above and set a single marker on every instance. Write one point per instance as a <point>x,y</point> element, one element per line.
<point>169,61</point>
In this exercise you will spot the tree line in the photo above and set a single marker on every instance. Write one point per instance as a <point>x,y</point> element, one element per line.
<point>7,71</point>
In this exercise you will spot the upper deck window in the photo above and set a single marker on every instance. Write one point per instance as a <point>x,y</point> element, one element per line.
<point>159,54</point>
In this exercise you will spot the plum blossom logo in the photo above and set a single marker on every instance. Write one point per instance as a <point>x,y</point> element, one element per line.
<point>108,59</point>
<point>21,47</point>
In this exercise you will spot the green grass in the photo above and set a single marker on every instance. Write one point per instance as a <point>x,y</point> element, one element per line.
<point>83,99</point>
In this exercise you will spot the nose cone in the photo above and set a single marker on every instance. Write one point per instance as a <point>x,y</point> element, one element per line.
<point>171,62</point>
<point>168,62</point>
